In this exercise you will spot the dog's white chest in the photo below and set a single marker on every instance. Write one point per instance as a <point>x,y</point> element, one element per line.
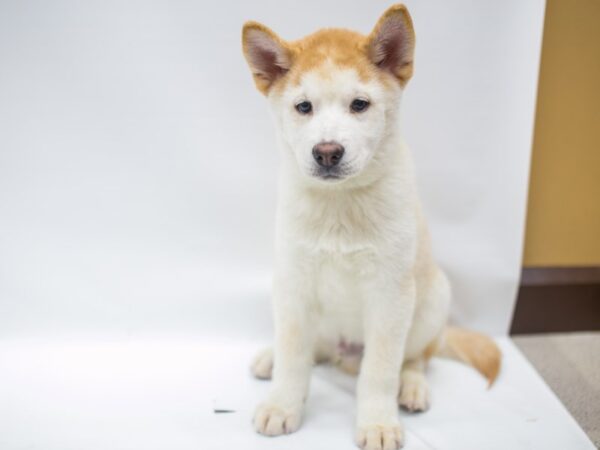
<point>340,297</point>
<point>338,236</point>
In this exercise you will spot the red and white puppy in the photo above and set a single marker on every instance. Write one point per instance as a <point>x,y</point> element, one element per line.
<point>354,268</point>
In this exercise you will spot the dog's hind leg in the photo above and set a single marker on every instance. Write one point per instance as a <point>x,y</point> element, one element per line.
<point>414,390</point>
<point>262,365</point>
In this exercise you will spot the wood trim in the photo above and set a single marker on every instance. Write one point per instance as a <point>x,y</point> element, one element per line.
<point>543,276</point>
<point>556,299</point>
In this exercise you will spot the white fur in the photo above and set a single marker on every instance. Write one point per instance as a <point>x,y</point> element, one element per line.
<point>353,260</point>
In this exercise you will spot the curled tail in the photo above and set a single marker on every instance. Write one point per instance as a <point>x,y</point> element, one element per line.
<point>472,348</point>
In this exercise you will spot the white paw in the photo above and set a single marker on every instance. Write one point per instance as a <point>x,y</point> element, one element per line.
<point>273,420</point>
<point>380,437</point>
<point>262,366</point>
<point>414,393</point>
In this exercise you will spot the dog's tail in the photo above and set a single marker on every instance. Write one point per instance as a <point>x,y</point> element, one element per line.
<point>472,348</point>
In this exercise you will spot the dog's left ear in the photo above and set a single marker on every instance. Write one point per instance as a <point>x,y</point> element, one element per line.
<point>268,56</point>
<point>391,44</point>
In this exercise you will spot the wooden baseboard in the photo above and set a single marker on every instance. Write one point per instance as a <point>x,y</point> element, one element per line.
<point>556,299</point>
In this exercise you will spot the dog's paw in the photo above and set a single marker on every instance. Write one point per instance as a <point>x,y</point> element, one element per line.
<point>273,420</point>
<point>414,393</point>
<point>262,366</point>
<point>380,437</point>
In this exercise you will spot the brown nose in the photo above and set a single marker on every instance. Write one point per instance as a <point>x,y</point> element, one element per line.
<point>328,154</point>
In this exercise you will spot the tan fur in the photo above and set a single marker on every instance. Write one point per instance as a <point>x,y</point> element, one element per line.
<point>340,47</point>
<point>475,349</point>
<point>431,349</point>
<point>343,48</point>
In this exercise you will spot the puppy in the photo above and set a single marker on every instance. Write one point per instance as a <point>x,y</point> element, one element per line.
<point>355,282</point>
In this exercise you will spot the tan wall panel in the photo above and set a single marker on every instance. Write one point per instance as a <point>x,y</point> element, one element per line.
<point>563,219</point>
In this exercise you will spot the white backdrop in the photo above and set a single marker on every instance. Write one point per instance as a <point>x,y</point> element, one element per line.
<point>137,162</point>
<point>137,191</point>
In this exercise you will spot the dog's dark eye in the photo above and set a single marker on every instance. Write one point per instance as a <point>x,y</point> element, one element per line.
<point>304,107</point>
<point>359,105</point>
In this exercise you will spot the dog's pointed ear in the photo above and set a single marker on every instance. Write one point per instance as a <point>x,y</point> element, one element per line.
<point>268,56</point>
<point>391,44</point>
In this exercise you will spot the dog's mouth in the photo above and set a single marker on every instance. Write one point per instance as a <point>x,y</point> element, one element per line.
<point>330,175</point>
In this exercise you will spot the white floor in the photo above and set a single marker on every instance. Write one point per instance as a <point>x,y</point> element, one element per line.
<point>161,394</point>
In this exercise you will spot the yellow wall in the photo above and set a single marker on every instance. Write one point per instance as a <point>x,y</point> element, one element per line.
<point>563,218</point>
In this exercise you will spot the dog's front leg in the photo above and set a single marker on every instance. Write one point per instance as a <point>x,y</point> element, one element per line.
<point>388,310</point>
<point>281,413</point>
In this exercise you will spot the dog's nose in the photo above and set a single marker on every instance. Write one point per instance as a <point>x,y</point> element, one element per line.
<point>328,154</point>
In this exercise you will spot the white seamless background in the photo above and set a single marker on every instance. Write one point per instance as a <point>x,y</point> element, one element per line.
<point>138,163</point>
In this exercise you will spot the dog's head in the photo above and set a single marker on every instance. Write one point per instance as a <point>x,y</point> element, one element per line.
<point>334,93</point>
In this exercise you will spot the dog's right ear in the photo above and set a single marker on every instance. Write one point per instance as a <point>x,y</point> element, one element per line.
<point>268,56</point>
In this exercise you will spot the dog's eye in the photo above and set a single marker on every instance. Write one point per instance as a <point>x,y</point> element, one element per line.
<point>359,105</point>
<point>304,107</point>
